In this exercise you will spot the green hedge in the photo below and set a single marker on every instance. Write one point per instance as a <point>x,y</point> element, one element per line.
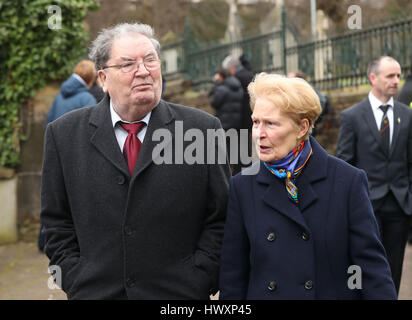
<point>32,52</point>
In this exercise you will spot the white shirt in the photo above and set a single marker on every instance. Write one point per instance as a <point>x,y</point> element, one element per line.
<point>378,113</point>
<point>121,134</point>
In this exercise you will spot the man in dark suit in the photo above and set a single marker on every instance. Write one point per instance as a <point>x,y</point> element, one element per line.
<point>376,135</point>
<point>127,226</point>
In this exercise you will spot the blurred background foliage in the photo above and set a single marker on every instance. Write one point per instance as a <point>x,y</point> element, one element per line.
<point>31,54</point>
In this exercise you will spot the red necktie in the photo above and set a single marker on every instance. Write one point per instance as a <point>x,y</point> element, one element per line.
<point>132,145</point>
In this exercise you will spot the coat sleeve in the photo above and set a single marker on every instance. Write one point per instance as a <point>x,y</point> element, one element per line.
<point>346,148</point>
<point>235,266</point>
<point>61,243</point>
<point>209,245</point>
<point>365,247</point>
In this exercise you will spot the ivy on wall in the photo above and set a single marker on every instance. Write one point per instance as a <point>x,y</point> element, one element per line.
<point>40,41</point>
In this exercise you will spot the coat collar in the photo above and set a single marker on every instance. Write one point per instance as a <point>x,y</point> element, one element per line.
<point>104,138</point>
<point>315,170</point>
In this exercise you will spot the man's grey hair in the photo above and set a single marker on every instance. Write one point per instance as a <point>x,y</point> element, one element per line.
<point>230,61</point>
<point>102,45</point>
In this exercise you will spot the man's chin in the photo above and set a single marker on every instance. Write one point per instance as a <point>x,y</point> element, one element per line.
<point>145,99</point>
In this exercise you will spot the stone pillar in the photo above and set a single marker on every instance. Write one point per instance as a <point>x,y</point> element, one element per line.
<point>323,52</point>
<point>33,116</point>
<point>8,203</point>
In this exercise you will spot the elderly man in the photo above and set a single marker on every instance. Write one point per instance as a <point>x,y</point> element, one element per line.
<point>376,135</point>
<point>119,225</point>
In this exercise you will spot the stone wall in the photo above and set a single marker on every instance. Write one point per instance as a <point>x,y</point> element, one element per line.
<point>33,115</point>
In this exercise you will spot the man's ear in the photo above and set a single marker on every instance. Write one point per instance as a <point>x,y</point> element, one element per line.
<point>102,77</point>
<point>372,78</point>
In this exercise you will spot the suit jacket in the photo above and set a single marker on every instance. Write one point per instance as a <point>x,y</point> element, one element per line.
<point>274,249</point>
<point>359,145</point>
<point>155,235</point>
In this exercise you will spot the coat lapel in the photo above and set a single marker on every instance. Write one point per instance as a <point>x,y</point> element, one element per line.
<point>315,170</point>
<point>104,138</point>
<point>161,118</point>
<point>370,121</point>
<point>275,196</point>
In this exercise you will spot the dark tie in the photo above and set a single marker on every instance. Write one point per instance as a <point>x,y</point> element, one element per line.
<point>132,145</point>
<point>384,130</point>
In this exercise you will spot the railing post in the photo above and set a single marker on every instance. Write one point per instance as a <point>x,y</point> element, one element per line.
<point>186,48</point>
<point>284,38</point>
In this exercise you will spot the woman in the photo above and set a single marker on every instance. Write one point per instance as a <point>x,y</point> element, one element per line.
<point>303,226</point>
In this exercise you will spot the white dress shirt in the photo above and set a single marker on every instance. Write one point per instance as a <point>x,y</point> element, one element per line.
<point>378,113</point>
<point>121,134</point>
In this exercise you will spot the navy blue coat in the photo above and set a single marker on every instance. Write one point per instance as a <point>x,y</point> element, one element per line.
<point>73,95</point>
<point>274,249</point>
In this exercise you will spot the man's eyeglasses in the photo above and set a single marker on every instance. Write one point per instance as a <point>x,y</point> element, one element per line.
<point>150,64</point>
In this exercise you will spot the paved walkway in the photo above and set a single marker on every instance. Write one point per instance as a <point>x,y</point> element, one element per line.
<point>24,276</point>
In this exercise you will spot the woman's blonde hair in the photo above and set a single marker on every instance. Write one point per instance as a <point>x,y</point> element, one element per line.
<point>294,96</point>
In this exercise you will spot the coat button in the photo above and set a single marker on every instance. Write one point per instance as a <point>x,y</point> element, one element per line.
<point>128,231</point>
<point>120,180</point>
<point>305,236</point>
<point>130,283</point>
<point>272,286</point>
<point>271,236</point>
<point>308,285</point>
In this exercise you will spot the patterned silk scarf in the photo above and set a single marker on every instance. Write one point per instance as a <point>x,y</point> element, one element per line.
<point>290,167</point>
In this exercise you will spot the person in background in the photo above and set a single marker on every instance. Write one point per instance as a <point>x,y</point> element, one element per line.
<point>375,135</point>
<point>74,94</point>
<point>97,91</point>
<point>226,99</point>
<point>405,96</point>
<point>242,70</point>
<point>296,228</point>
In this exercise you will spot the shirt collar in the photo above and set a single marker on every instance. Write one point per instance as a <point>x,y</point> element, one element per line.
<point>116,118</point>
<point>376,103</point>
